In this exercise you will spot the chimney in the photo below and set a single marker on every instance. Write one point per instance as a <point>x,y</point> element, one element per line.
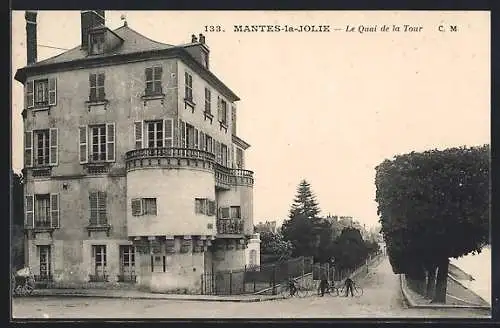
<point>31,42</point>
<point>193,38</point>
<point>89,20</point>
<point>202,38</point>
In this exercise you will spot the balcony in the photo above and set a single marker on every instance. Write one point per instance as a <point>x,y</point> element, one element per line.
<point>227,227</point>
<point>169,157</point>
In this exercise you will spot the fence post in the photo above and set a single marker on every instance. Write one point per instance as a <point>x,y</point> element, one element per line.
<point>202,292</point>
<point>230,282</point>
<point>303,265</point>
<point>274,279</point>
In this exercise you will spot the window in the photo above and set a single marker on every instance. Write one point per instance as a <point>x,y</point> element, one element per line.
<point>144,206</point>
<point>41,147</point>
<point>188,86</point>
<point>97,43</point>
<point>157,134</point>
<point>233,120</point>
<point>224,212</point>
<point>42,210</point>
<point>41,92</point>
<point>127,263</point>
<point>208,101</point>
<point>96,82</point>
<point>239,158</point>
<point>224,157</point>
<point>153,81</point>
<point>99,263</point>
<point>209,144</point>
<point>204,206</point>
<point>154,133</point>
<point>235,212</point>
<point>149,206</point>
<point>158,263</point>
<point>101,146</point>
<point>222,111</point>
<point>44,259</point>
<point>98,215</point>
<point>98,143</point>
<point>192,138</point>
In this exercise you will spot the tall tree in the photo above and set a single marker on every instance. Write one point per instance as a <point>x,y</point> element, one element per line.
<point>301,229</point>
<point>305,202</point>
<point>434,205</point>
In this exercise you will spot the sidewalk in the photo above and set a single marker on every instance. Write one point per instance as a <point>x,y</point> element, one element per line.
<point>135,294</point>
<point>416,300</point>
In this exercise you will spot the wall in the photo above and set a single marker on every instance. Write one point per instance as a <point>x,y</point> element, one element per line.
<point>253,244</point>
<point>124,86</point>
<point>197,118</point>
<point>175,190</point>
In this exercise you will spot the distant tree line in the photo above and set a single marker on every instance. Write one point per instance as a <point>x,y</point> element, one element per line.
<point>306,233</point>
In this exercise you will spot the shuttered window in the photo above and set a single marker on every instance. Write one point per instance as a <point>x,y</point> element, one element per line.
<point>96,82</point>
<point>153,80</point>
<point>138,135</point>
<point>98,208</point>
<point>169,132</point>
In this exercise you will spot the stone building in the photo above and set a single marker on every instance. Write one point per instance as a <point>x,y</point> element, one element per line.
<point>133,169</point>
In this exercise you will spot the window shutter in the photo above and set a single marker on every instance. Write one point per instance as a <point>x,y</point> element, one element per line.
<point>101,208</point>
<point>196,138</point>
<point>169,132</point>
<point>202,141</point>
<point>197,206</point>
<point>92,87</point>
<point>101,94</point>
<point>136,206</point>
<point>28,148</point>
<point>110,142</point>
<point>183,134</point>
<point>30,94</point>
<point>83,144</point>
<point>54,210</point>
<point>93,208</point>
<point>149,80</point>
<point>54,141</point>
<point>29,211</point>
<point>218,108</point>
<point>158,70</point>
<point>232,157</point>
<point>52,91</point>
<point>138,135</point>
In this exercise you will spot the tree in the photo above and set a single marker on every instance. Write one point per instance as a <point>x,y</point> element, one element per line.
<point>350,249</point>
<point>273,245</point>
<point>434,205</point>
<point>305,202</point>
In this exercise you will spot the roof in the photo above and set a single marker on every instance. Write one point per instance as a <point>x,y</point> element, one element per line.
<point>133,42</point>
<point>134,46</point>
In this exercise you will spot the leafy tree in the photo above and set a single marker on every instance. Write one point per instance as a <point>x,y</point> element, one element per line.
<point>350,249</point>
<point>434,205</point>
<point>273,244</point>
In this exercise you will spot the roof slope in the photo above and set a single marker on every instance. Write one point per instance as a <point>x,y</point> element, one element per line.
<point>133,42</point>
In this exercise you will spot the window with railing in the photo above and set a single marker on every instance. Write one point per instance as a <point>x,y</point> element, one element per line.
<point>41,147</point>
<point>97,143</point>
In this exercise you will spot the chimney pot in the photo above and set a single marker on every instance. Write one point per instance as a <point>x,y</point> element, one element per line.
<point>31,39</point>
<point>193,38</point>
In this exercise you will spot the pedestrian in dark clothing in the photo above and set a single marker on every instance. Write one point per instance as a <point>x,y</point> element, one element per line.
<point>323,285</point>
<point>349,287</point>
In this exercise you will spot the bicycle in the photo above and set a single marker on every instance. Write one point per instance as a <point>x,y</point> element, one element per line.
<point>300,291</point>
<point>332,290</point>
<point>357,291</point>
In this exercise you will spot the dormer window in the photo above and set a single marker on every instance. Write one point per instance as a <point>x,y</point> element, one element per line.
<point>97,43</point>
<point>204,59</point>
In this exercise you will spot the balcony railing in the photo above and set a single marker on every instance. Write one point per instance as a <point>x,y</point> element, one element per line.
<point>224,176</point>
<point>230,226</point>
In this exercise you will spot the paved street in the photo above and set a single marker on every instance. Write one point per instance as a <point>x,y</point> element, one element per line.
<point>382,298</point>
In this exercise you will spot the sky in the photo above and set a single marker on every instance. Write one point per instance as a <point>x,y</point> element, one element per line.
<point>327,107</point>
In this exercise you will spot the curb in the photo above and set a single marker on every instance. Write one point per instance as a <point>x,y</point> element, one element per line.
<point>412,304</point>
<point>169,298</point>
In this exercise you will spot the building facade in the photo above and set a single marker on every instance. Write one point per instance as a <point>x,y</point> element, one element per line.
<point>252,252</point>
<point>133,169</point>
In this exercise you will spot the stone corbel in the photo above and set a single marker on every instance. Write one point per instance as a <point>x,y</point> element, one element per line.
<point>187,244</point>
<point>170,244</point>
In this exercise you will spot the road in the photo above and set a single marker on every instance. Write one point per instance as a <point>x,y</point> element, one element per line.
<point>381,299</point>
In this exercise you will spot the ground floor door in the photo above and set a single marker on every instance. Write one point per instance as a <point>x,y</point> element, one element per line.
<point>127,263</point>
<point>99,262</point>
<point>44,259</point>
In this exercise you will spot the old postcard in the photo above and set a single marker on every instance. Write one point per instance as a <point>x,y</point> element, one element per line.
<point>250,164</point>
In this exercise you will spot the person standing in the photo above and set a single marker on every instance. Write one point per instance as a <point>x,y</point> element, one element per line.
<point>349,287</point>
<point>323,285</point>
